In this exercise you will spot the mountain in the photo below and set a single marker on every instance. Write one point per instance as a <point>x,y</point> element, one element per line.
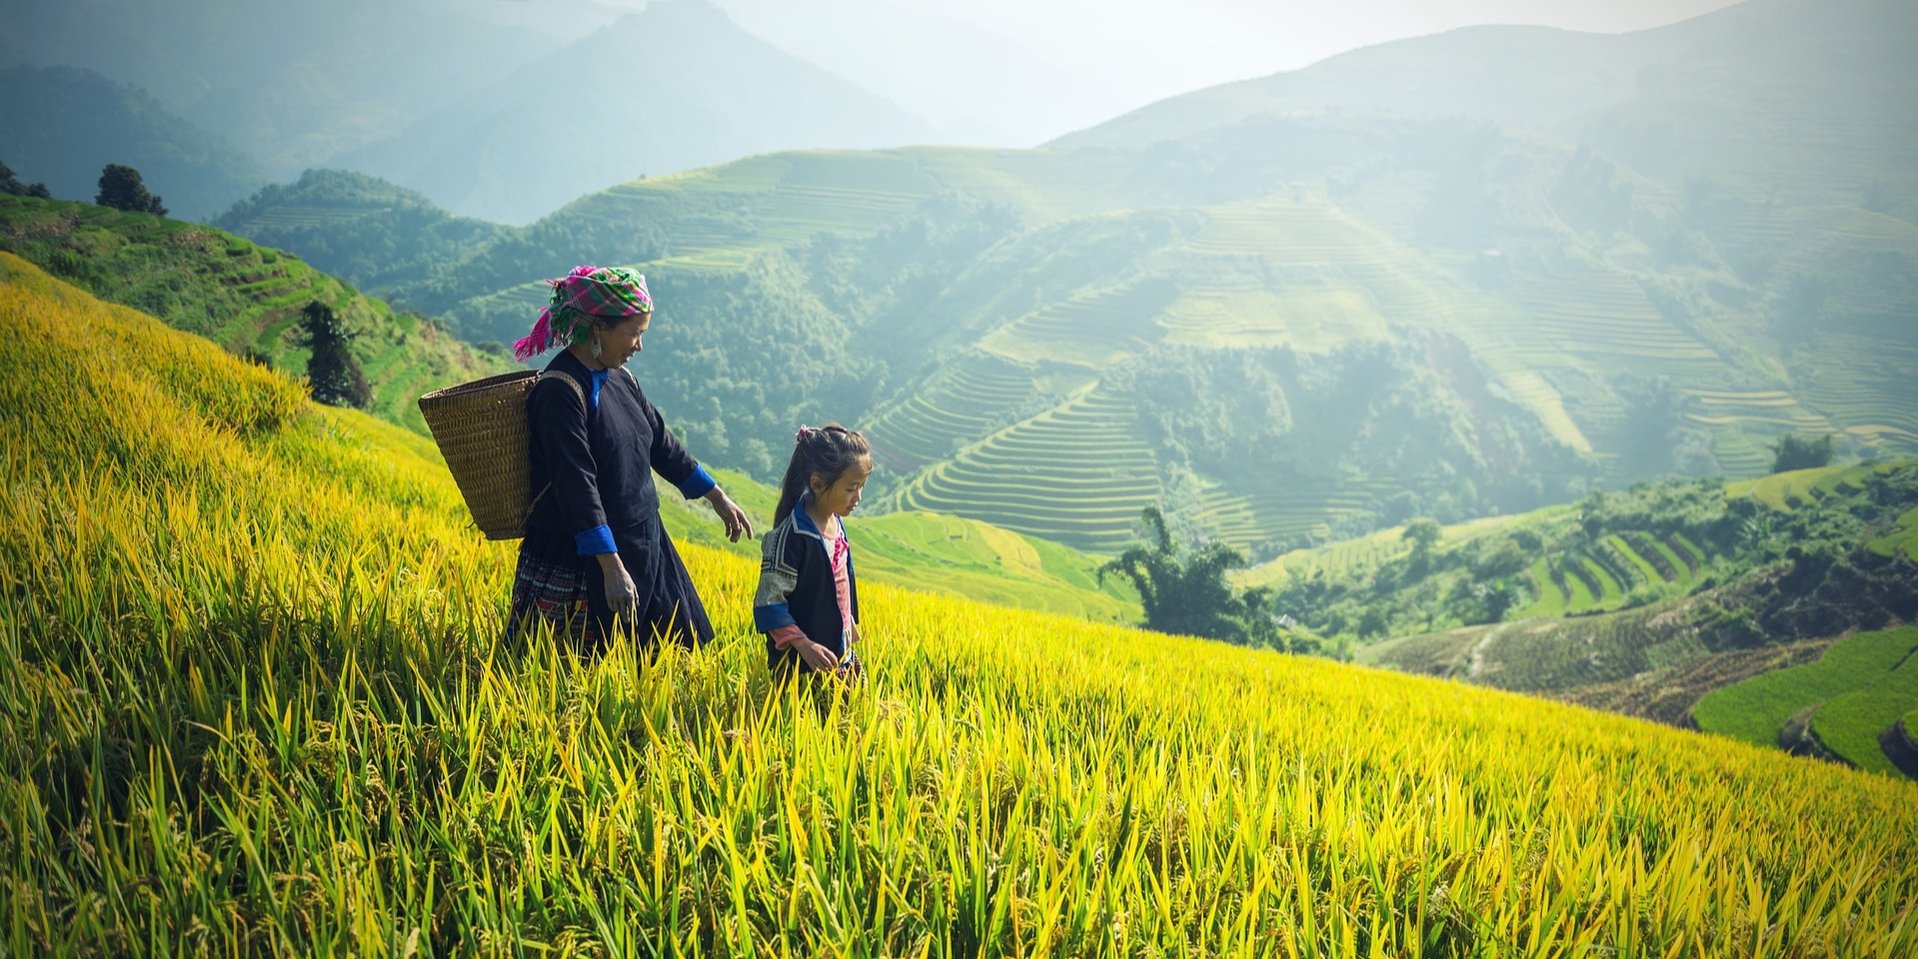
<point>1286,328</point>
<point>62,125</point>
<point>264,659</point>
<point>295,84</point>
<point>915,56</point>
<point>248,298</point>
<point>676,86</point>
<point>244,297</point>
<point>362,229</point>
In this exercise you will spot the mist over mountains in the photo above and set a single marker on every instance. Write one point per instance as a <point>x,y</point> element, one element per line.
<point>1402,281</point>
<point>62,124</point>
<point>1472,272</point>
<point>674,87</point>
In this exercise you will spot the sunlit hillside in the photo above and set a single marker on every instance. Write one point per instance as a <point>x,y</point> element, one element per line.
<point>245,297</point>
<point>1417,279</point>
<point>1767,609</point>
<point>256,701</point>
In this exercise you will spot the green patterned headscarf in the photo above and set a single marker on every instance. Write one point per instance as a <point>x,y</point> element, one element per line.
<point>580,297</point>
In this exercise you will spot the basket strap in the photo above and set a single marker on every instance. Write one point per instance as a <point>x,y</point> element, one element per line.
<point>569,381</point>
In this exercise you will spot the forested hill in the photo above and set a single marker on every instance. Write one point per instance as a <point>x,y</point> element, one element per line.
<point>245,297</point>
<point>1657,601</point>
<point>61,125</point>
<point>364,230</point>
<point>1290,326</point>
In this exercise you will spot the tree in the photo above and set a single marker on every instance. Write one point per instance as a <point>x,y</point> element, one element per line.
<point>9,183</point>
<point>332,373</point>
<point>1794,452</point>
<point>122,189</point>
<point>1423,533</point>
<point>1186,592</point>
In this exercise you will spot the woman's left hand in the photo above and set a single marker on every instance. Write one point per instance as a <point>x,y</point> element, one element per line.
<point>730,514</point>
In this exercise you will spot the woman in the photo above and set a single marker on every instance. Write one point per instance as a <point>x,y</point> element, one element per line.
<point>595,558</point>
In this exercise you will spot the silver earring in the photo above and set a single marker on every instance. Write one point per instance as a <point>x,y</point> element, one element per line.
<point>595,348</point>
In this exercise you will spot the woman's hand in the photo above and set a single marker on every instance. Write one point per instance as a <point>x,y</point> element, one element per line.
<point>818,657</point>
<point>622,597</point>
<point>730,514</point>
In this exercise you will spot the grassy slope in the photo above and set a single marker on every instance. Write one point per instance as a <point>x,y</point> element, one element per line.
<point>1659,658</point>
<point>242,296</point>
<point>1319,234</point>
<point>1864,681</point>
<point>260,704</point>
<point>939,554</point>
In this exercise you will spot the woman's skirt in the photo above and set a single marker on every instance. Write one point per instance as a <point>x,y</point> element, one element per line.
<point>555,585</point>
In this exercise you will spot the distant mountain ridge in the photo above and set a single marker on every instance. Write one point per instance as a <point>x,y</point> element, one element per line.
<point>676,86</point>
<point>1654,99</point>
<point>1292,325</point>
<point>62,124</point>
<point>361,228</point>
<point>498,110</point>
<point>291,83</point>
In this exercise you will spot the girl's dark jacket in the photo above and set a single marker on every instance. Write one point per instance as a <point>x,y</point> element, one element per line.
<point>796,586</point>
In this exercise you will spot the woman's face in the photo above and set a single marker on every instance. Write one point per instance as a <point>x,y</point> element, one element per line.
<point>619,342</point>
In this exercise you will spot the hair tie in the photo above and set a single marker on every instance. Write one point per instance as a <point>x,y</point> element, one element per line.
<point>800,437</point>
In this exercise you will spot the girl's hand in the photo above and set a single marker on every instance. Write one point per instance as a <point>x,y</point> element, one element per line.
<point>818,657</point>
<point>730,514</point>
<point>622,597</point>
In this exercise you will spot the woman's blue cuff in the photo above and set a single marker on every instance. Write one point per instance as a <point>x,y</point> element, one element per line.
<point>596,541</point>
<point>698,484</point>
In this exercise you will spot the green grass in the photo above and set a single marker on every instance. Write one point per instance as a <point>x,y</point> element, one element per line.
<point>1903,540</point>
<point>1849,725</point>
<point>935,553</point>
<point>259,703</point>
<point>1549,599</point>
<point>1756,709</point>
<point>245,297</point>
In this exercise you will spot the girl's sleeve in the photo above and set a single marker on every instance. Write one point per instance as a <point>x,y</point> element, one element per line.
<point>772,613</point>
<point>558,417</point>
<point>670,459</point>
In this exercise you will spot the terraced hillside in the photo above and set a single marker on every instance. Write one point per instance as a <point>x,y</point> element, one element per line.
<point>934,553</point>
<point>1644,601</point>
<point>322,743</point>
<point>245,297</point>
<point>970,395</point>
<point>1845,705</point>
<point>1417,313</point>
<point>1076,474</point>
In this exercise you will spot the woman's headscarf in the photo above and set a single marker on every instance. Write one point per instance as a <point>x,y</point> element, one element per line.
<point>579,297</point>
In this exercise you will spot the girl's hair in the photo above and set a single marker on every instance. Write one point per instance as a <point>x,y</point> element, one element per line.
<point>829,451</point>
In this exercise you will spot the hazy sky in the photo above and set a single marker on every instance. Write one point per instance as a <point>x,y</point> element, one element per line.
<point>1123,54</point>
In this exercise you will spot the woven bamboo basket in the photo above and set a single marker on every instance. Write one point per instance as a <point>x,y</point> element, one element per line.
<point>481,430</point>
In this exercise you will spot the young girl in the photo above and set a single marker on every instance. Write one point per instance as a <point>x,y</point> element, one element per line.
<point>808,601</point>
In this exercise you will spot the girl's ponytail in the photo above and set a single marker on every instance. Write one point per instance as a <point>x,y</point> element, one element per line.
<point>829,451</point>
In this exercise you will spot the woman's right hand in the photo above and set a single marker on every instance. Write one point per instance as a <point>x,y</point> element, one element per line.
<point>818,657</point>
<point>622,597</point>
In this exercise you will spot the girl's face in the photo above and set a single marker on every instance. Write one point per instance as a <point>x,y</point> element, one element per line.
<point>841,497</point>
<point>618,343</point>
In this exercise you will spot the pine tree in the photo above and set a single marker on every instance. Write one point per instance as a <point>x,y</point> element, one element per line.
<point>332,373</point>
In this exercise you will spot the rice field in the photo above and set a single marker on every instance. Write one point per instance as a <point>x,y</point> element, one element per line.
<point>1078,474</point>
<point>257,702</point>
<point>1859,688</point>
